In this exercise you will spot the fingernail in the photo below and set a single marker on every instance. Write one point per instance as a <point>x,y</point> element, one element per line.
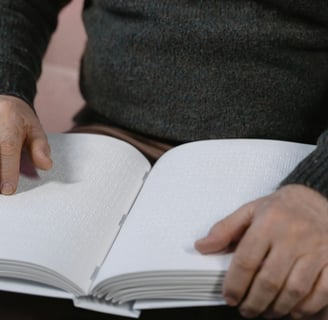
<point>199,241</point>
<point>46,153</point>
<point>204,238</point>
<point>247,313</point>
<point>46,157</point>
<point>231,301</point>
<point>7,189</point>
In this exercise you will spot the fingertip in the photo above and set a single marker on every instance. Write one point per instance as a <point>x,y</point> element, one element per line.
<point>39,149</point>
<point>208,244</point>
<point>43,160</point>
<point>40,154</point>
<point>199,245</point>
<point>296,315</point>
<point>7,189</point>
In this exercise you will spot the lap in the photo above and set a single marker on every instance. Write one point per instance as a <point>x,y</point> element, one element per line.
<point>25,307</point>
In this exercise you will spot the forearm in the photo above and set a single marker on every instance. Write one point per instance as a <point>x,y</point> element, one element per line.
<point>313,170</point>
<point>25,30</point>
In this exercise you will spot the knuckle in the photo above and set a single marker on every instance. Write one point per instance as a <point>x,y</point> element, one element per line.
<point>324,290</point>
<point>233,292</point>
<point>268,284</point>
<point>269,218</point>
<point>11,113</point>
<point>7,106</point>
<point>282,308</point>
<point>245,264</point>
<point>302,227</point>
<point>296,290</point>
<point>253,308</point>
<point>250,312</point>
<point>8,112</point>
<point>273,215</point>
<point>9,146</point>
<point>306,309</point>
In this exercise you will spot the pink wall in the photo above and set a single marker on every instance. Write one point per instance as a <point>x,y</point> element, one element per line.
<point>58,95</point>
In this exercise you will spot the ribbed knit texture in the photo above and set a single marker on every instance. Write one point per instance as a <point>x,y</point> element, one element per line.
<point>25,29</point>
<point>313,171</point>
<point>187,70</point>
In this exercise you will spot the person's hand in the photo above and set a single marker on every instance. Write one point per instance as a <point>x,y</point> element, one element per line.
<point>280,265</point>
<point>322,315</point>
<point>19,129</point>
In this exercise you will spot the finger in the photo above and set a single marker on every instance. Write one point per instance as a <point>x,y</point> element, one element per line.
<point>39,148</point>
<point>267,283</point>
<point>27,167</point>
<point>297,286</point>
<point>249,256</point>
<point>226,231</point>
<point>10,152</point>
<point>316,300</point>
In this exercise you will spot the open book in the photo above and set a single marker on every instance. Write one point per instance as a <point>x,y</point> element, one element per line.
<point>111,233</point>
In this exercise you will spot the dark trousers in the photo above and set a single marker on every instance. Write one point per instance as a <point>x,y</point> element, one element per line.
<point>25,307</point>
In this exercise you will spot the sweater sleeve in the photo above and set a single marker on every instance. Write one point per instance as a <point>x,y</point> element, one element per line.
<point>25,30</point>
<point>313,170</point>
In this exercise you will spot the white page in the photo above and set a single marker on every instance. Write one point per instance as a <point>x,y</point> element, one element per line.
<point>161,304</point>
<point>67,220</point>
<point>191,188</point>
<point>27,287</point>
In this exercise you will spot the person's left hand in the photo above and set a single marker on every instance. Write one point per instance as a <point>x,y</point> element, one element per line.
<point>280,265</point>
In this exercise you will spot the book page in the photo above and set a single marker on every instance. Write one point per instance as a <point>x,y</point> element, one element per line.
<point>162,304</point>
<point>189,189</point>
<point>29,287</point>
<point>67,220</point>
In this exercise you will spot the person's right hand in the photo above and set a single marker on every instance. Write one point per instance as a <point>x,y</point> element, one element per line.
<point>19,128</point>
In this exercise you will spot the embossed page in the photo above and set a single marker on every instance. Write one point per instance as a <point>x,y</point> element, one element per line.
<point>189,189</point>
<point>67,220</point>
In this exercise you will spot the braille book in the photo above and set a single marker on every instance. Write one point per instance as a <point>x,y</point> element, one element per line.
<point>114,234</point>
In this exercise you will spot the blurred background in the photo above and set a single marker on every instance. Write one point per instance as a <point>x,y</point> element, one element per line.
<point>58,97</point>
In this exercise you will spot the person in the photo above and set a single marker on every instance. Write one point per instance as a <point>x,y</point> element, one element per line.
<point>174,71</point>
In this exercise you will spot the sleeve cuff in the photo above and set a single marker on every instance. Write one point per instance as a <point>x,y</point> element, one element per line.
<point>313,170</point>
<point>17,81</point>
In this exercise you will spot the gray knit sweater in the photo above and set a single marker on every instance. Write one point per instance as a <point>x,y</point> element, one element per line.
<point>184,70</point>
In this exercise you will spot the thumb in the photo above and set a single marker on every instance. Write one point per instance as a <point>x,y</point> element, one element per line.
<point>226,232</point>
<point>39,148</point>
